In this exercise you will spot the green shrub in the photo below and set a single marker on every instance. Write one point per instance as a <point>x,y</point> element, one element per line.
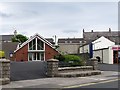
<point>72,60</point>
<point>59,57</point>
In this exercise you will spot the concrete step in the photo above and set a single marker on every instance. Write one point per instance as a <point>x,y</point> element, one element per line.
<point>79,73</point>
<point>71,69</point>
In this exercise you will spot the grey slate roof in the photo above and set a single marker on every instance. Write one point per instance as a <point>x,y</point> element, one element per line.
<point>50,40</point>
<point>68,40</point>
<point>6,37</point>
<point>111,35</point>
<point>8,47</point>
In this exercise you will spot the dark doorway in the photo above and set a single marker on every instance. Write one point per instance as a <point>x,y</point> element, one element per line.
<point>115,57</point>
<point>98,58</point>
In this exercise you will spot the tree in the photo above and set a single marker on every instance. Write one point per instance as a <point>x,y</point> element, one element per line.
<point>19,38</point>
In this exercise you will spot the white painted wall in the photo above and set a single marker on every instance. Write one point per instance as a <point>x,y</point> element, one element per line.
<point>106,56</point>
<point>97,53</point>
<point>102,42</point>
<point>110,55</point>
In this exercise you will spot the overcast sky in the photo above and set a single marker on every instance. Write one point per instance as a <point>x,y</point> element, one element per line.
<point>64,19</point>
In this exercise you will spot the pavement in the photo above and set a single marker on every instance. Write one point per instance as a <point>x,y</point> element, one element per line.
<point>62,82</point>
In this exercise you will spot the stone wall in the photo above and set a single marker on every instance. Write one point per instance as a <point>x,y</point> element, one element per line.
<point>52,67</point>
<point>93,62</point>
<point>53,70</point>
<point>4,71</point>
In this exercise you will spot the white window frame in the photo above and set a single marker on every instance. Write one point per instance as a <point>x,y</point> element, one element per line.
<point>34,51</point>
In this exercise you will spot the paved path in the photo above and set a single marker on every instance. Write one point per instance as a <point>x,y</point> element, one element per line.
<point>61,82</point>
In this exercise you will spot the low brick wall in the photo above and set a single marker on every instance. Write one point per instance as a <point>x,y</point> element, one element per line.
<point>80,68</point>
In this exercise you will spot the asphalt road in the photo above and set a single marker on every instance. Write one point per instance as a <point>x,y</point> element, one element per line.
<point>109,67</point>
<point>111,84</point>
<point>107,85</point>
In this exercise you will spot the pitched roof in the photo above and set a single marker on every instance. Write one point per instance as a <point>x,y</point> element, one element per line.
<point>30,39</point>
<point>50,40</point>
<point>70,40</point>
<point>111,35</point>
<point>8,47</point>
<point>102,42</point>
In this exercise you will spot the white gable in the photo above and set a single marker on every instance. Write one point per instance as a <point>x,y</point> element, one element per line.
<point>101,43</point>
<point>31,38</point>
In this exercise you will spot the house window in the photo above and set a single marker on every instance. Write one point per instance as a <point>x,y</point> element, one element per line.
<point>40,45</point>
<point>36,50</point>
<point>70,41</point>
<point>66,42</point>
<point>30,56</point>
<point>32,45</point>
<point>36,44</point>
<point>80,41</point>
<point>42,56</point>
<point>36,56</point>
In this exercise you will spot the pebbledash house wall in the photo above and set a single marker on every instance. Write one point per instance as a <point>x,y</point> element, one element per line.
<point>22,54</point>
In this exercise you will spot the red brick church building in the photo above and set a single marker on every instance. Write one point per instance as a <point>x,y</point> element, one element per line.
<point>36,48</point>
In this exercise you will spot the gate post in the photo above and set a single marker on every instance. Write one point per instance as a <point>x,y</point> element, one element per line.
<point>93,62</point>
<point>4,71</point>
<point>52,67</point>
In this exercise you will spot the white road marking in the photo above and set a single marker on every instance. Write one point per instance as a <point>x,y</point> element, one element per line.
<point>75,86</point>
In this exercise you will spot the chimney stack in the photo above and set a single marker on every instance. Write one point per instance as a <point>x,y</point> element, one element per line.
<point>15,32</point>
<point>109,29</point>
<point>83,30</point>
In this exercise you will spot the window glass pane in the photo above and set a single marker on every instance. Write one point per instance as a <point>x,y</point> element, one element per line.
<point>34,44</point>
<point>40,45</point>
<point>34,56</point>
<point>38,56</point>
<point>42,56</point>
<point>30,45</point>
<point>30,56</point>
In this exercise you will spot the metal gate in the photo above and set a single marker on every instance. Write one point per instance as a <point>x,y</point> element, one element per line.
<point>27,70</point>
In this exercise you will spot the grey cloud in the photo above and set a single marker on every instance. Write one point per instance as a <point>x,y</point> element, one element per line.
<point>5,15</point>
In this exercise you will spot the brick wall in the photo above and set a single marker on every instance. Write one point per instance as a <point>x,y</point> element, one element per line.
<point>22,54</point>
<point>49,52</point>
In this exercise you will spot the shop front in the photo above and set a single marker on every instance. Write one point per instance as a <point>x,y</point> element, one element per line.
<point>116,54</point>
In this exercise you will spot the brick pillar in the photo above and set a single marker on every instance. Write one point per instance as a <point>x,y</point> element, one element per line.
<point>94,62</point>
<point>52,67</point>
<point>4,71</point>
